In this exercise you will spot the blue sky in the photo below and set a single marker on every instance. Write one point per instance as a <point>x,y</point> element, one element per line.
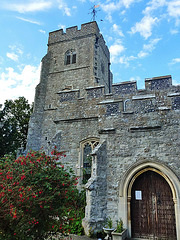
<point>143,38</point>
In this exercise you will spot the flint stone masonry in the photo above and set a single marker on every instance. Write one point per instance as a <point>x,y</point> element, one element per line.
<point>68,95</point>
<point>95,92</point>
<point>124,88</point>
<point>176,103</point>
<point>158,83</point>
<point>136,129</point>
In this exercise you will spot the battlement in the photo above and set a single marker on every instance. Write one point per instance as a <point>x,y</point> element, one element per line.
<point>73,33</point>
<point>129,88</point>
<point>158,83</point>
<point>161,83</point>
<point>158,95</point>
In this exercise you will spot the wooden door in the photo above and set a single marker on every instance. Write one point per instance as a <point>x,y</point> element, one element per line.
<point>152,208</point>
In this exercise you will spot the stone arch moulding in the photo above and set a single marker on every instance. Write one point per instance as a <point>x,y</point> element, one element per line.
<point>126,184</point>
<point>92,142</point>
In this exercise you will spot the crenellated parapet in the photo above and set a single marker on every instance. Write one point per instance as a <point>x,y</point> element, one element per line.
<point>74,33</point>
<point>124,88</point>
<point>95,92</point>
<point>68,95</point>
<point>158,95</point>
<point>158,83</point>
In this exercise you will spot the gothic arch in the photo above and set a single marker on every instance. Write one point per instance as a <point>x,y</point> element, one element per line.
<point>86,144</point>
<point>126,184</point>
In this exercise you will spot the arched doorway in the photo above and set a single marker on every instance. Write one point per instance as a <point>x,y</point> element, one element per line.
<point>152,207</point>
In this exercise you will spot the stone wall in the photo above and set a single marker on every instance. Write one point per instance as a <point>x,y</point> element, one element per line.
<point>136,128</point>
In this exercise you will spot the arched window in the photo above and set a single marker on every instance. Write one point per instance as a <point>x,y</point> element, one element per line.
<point>70,57</point>
<point>74,57</point>
<point>86,160</point>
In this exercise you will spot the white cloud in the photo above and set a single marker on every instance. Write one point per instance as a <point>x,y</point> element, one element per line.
<point>174,31</point>
<point>115,50</point>
<point>15,53</point>
<point>115,6</point>
<point>144,27</point>
<point>109,38</point>
<point>109,18</point>
<point>42,31</point>
<point>174,8</point>
<point>12,56</point>
<point>16,48</point>
<point>125,60</point>
<point>61,26</point>
<point>148,48</point>
<point>171,9</point>
<point>117,30</point>
<point>175,60</point>
<point>137,78</point>
<point>63,6</point>
<point>175,82</point>
<point>28,7</point>
<point>154,5</point>
<point>67,11</point>
<point>123,12</point>
<point>110,7</point>
<point>127,3</point>
<point>142,54</point>
<point>14,84</point>
<point>140,82</point>
<point>151,45</point>
<point>29,20</point>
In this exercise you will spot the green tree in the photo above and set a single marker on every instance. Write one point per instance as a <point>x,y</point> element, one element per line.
<point>14,119</point>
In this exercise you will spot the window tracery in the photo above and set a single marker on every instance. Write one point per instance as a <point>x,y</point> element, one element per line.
<point>87,147</point>
<point>70,57</point>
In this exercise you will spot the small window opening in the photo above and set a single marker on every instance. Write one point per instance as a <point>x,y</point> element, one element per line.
<point>70,57</point>
<point>97,80</point>
<point>74,57</point>
<point>97,40</point>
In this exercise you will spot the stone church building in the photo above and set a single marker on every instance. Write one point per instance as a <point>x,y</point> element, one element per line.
<point>123,143</point>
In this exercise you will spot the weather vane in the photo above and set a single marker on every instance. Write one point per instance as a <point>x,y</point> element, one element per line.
<point>94,11</point>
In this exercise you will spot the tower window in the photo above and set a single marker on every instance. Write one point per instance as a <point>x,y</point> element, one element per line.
<point>70,57</point>
<point>74,57</point>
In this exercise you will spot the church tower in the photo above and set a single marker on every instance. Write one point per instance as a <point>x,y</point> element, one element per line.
<point>76,60</point>
<point>79,59</point>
